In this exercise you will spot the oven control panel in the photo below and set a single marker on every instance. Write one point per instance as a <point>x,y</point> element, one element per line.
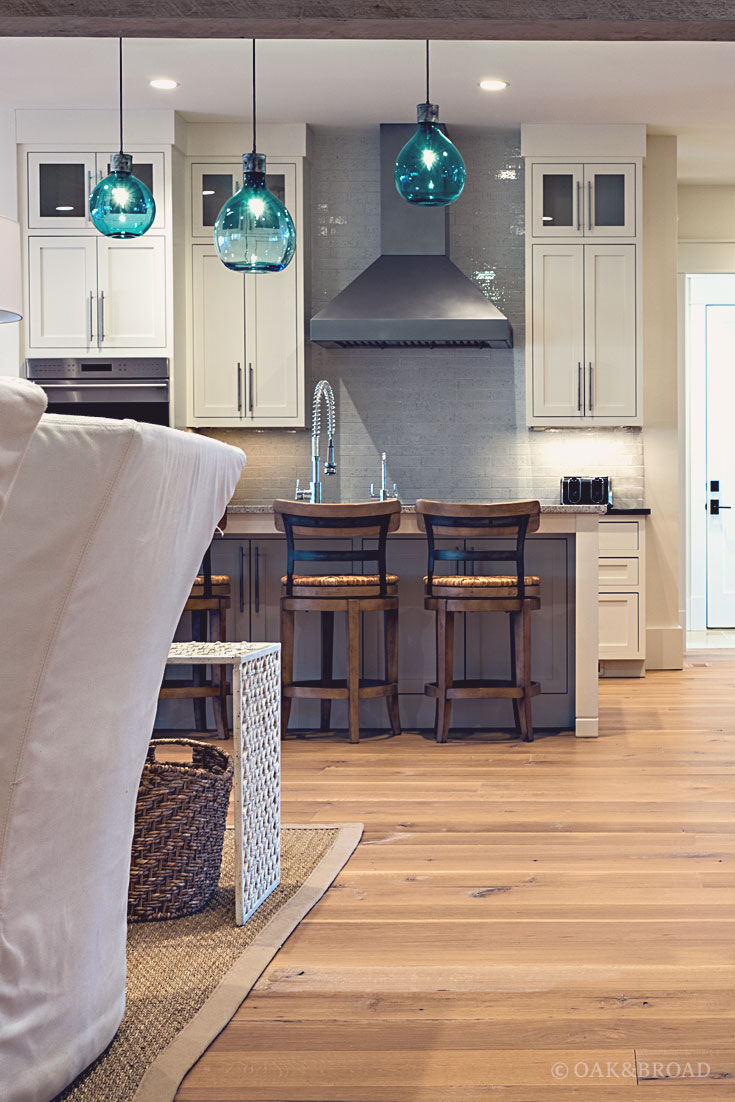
<point>131,367</point>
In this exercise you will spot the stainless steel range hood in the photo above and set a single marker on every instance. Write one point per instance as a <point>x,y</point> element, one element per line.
<point>412,296</point>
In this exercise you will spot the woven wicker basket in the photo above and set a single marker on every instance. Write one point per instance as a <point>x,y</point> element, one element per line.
<point>180,821</point>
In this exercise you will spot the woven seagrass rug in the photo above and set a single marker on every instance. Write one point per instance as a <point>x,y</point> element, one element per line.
<point>187,976</point>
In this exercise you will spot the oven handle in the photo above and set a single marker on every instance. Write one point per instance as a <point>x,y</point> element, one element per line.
<point>97,383</point>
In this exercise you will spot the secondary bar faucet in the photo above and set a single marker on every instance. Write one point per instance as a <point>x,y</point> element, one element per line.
<point>322,391</point>
<point>383,494</point>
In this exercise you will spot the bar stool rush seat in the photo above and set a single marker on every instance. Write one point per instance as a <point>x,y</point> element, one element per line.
<point>517,595</point>
<point>330,593</point>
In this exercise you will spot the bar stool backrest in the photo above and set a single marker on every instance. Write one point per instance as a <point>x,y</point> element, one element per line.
<point>363,520</point>
<point>512,520</point>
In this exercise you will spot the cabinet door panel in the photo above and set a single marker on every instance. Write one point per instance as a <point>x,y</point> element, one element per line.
<point>610,330</point>
<point>274,342</point>
<point>62,292</point>
<point>609,200</point>
<point>557,200</point>
<point>218,337</point>
<point>59,186</point>
<point>619,625</point>
<point>211,186</point>
<point>558,330</point>
<point>132,289</point>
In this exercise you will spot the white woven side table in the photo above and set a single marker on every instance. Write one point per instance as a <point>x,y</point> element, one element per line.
<point>256,722</point>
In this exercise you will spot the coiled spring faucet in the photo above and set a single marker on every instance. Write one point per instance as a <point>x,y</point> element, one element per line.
<point>322,392</point>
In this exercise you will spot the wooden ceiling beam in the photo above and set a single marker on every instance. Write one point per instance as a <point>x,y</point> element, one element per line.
<point>582,20</point>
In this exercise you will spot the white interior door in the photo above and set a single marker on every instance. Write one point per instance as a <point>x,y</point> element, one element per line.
<point>62,280</point>
<point>132,292</point>
<point>720,345</point>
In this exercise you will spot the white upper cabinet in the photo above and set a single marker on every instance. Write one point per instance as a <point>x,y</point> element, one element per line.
<point>95,293</point>
<point>583,275</point>
<point>610,330</point>
<point>62,292</point>
<point>583,334</point>
<point>558,331</point>
<point>247,342</point>
<point>583,200</point>
<point>131,286</point>
<point>60,184</point>
<point>218,338</point>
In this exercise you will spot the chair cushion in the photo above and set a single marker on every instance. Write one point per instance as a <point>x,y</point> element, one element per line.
<point>477,581</point>
<point>327,580</point>
<point>217,579</point>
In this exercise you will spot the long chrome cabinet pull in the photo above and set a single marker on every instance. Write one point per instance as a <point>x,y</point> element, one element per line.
<point>91,333</point>
<point>257,578</point>
<point>579,205</point>
<point>579,387</point>
<point>242,578</point>
<point>590,390</point>
<point>100,318</point>
<point>251,387</point>
<point>239,388</point>
<point>589,205</point>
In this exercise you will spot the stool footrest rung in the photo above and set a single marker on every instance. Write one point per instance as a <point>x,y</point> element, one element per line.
<point>484,689</point>
<point>370,688</point>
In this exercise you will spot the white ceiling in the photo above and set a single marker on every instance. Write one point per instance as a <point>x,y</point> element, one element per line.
<point>679,87</point>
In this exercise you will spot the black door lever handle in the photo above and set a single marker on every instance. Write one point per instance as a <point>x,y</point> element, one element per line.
<point>715,508</point>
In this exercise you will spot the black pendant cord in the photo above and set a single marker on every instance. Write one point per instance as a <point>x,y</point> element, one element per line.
<point>253,96</point>
<point>427,71</point>
<point>121,92</point>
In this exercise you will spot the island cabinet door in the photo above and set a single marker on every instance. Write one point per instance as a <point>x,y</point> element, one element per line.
<point>265,569</point>
<point>488,641</point>
<point>558,331</point>
<point>218,352</point>
<point>416,636</point>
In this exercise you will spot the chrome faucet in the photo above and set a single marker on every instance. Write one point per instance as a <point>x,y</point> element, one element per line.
<point>324,391</point>
<point>382,494</point>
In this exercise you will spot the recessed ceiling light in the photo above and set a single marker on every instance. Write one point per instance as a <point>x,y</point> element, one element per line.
<point>493,84</point>
<point>164,84</point>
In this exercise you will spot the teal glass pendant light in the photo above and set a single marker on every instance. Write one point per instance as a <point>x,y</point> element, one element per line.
<point>121,205</point>
<point>254,232</point>
<point>429,169</point>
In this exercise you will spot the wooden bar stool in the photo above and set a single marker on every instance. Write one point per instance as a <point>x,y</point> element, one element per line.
<point>330,593</point>
<point>207,603</point>
<point>517,595</point>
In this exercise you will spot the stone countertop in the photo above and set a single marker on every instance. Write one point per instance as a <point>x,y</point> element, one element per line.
<point>601,510</point>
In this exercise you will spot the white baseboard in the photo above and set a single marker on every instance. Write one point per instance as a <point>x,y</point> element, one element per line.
<point>586,728</point>
<point>619,667</point>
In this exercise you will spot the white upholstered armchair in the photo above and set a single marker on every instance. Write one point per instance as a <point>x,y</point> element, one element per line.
<point>103,525</point>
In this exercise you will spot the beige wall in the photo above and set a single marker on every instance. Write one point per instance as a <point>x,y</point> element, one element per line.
<point>707,212</point>
<point>664,636</point>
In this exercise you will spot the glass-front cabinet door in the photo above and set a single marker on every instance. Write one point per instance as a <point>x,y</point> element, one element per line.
<point>211,187</point>
<point>149,169</point>
<point>609,200</point>
<point>59,186</point>
<point>558,200</point>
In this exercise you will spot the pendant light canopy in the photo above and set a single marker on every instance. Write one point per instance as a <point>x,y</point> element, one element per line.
<point>254,232</point>
<point>121,205</point>
<point>429,169</point>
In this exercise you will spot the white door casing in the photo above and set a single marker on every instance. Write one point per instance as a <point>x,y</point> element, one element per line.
<point>720,338</point>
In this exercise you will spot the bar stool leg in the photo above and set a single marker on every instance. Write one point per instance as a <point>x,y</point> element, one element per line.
<point>522,638</point>
<point>197,672</point>
<point>327,666</point>
<point>353,668</point>
<point>514,673</point>
<point>444,669</point>
<point>218,633</point>
<point>287,637</point>
<point>390,630</point>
